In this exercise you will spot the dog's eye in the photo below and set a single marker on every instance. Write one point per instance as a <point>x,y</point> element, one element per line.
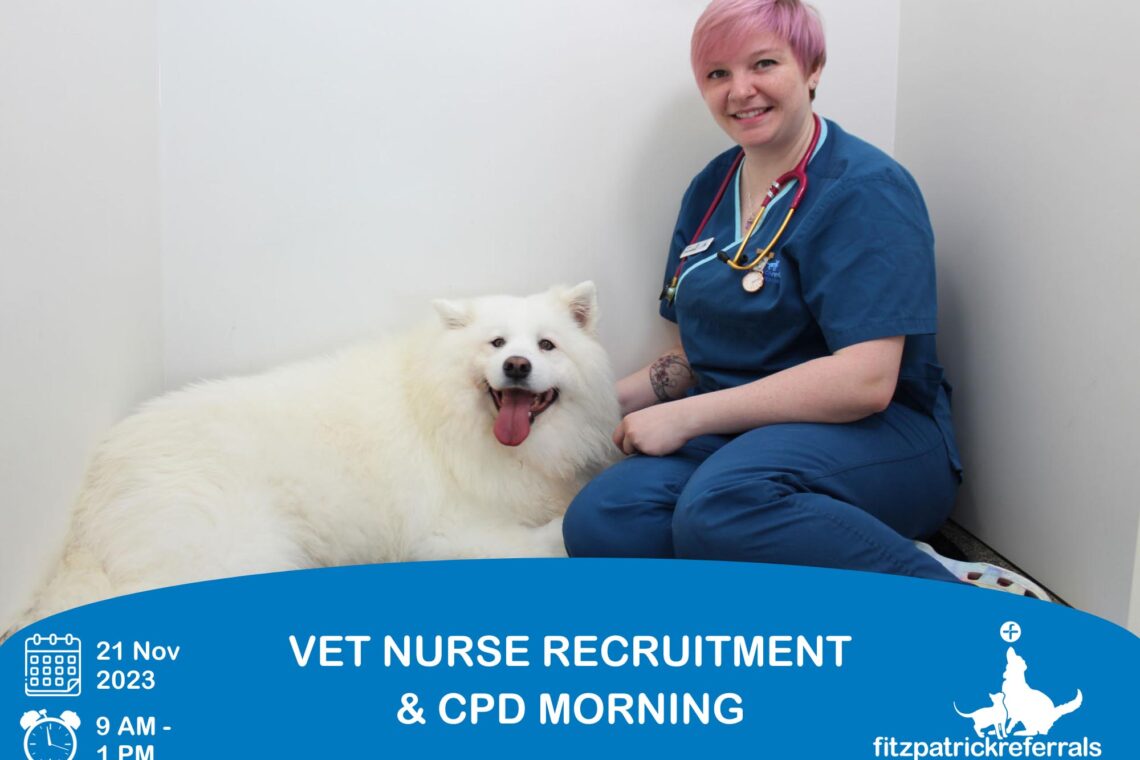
<point>499,342</point>
<point>545,345</point>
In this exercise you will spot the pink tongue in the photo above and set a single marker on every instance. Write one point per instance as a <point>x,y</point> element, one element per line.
<point>512,426</point>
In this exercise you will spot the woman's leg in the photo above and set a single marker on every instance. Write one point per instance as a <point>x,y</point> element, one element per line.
<point>849,496</point>
<point>627,511</point>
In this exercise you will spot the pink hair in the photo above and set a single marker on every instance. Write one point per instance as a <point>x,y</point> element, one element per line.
<point>725,24</point>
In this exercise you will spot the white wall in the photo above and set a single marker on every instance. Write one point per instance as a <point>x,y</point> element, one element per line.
<point>79,296</point>
<point>1019,122</point>
<point>330,167</point>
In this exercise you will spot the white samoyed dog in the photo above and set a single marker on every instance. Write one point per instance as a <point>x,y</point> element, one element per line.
<point>466,438</point>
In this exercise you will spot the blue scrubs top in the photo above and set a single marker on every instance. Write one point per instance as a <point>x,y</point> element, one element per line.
<point>856,263</point>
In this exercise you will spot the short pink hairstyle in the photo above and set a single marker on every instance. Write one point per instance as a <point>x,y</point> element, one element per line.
<point>727,23</point>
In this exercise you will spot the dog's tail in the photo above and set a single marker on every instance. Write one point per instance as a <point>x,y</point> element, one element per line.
<point>1068,707</point>
<point>78,579</point>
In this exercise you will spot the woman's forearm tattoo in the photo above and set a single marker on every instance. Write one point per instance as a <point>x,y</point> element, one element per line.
<point>670,377</point>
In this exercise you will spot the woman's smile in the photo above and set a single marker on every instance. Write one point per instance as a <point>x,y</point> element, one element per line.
<point>752,115</point>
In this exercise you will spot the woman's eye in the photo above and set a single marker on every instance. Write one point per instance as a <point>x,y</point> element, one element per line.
<point>545,345</point>
<point>764,63</point>
<point>717,74</point>
<point>499,342</point>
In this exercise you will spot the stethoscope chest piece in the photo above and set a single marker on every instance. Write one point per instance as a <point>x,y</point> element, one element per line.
<point>753,281</point>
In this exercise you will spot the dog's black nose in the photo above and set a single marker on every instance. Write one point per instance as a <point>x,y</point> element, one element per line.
<point>516,367</point>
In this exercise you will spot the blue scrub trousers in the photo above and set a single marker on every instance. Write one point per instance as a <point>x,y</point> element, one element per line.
<point>828,495</point>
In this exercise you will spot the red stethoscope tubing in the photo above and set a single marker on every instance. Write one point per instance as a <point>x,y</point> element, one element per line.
<point>799,174</point>
<point>708,214</point>
<point>719,194</point>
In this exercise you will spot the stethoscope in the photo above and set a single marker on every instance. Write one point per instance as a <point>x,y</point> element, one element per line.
<point>753,281</point>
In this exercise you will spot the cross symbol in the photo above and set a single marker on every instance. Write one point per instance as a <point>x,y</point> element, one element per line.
<point>1010,631</point>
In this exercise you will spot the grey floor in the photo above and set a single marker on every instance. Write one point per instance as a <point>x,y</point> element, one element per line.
<point>956,542</point>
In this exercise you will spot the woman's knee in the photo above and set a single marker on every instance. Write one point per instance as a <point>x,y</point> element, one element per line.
<point>720,521</point>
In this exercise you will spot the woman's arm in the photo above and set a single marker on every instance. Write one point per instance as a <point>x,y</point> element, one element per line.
<point>853,383</point>
<point>666,378</point>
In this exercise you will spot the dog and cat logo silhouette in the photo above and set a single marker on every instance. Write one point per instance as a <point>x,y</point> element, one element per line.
<point>1018,703</point>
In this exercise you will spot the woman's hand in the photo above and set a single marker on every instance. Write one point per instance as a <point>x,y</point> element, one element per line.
<point>655,430</point>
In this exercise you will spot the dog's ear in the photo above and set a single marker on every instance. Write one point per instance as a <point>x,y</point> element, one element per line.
<point>582,300</point>
<point>453,314</point>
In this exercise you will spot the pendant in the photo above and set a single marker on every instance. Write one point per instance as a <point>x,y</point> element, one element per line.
<point>752,281</point>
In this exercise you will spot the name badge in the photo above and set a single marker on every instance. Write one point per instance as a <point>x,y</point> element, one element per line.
<point>698,247</point>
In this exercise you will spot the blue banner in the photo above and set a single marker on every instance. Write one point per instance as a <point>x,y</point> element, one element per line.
<point>569,658</point>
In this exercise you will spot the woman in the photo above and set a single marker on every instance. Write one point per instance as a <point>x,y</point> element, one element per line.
<point>803,417</point>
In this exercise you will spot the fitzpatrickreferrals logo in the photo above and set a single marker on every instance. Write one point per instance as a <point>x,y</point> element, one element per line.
<point>1013,724</point>
<point>1027,706</point>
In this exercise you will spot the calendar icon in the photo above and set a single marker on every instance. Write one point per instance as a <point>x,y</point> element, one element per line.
<point>52,666</point>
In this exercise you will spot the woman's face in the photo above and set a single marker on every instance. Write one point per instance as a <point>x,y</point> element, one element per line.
<point>758,93</point>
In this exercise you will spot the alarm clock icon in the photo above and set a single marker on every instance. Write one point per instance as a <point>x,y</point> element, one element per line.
<point>47,738</point>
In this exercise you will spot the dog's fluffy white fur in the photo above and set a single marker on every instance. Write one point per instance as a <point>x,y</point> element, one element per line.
<point>383,452</point>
